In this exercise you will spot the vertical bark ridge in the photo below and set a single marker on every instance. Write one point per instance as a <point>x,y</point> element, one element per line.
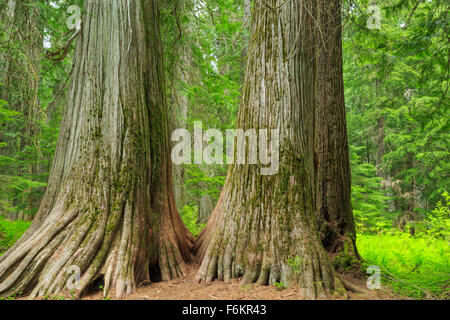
<point>109,208</point>
<point>333,203</point>
<point>262,224</point>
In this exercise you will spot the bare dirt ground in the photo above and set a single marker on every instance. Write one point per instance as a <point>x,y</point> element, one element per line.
<point>188,289</point>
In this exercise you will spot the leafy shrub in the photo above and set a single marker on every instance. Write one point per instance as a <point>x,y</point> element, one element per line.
<point>437,222</point>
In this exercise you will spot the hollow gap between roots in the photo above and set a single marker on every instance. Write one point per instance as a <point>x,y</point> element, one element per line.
<point>155,273</point>
<point>96,286</point>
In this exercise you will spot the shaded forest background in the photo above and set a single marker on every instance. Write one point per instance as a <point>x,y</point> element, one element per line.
<point>396,89</point>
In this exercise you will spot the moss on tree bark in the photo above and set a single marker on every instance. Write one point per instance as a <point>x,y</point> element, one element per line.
<point>109,208</point>
<point>334,213</point>
<point>262,224</point>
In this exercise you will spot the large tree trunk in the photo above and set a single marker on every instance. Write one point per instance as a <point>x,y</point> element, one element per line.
<point>262,223</point>
<point>333,182</point>
<point>109,208</point>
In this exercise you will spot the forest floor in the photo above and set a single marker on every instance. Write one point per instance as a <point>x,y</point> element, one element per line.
<point>187,288</point>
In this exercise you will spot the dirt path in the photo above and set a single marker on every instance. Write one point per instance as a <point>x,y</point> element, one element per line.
<point>188,289</point>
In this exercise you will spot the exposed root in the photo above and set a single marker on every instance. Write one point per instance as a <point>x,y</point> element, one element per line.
<point>87,241</point>
<point>268,240</point>
<point>354,288</point>
<point>108,210</point>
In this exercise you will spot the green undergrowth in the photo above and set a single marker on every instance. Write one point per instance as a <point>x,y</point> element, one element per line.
<point>10,232</point>
<point>190,217</point>
<point>418,267</point>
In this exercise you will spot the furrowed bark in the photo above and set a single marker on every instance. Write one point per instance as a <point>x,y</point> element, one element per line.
<point>334,213</point>
<point>263,227</point>
<point>109,208</point>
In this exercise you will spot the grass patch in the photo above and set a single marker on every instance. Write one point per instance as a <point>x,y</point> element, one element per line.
<point>10,232</point>
<point>413,266</point>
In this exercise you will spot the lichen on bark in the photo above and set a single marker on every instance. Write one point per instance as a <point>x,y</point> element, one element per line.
<point>262,223</point>
<point>108,209</point>
<point>334,214</point>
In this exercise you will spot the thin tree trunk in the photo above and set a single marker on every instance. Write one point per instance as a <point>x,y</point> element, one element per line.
<point>381,124</point>
<point>205,207</point>
<point>181,106</point>
<point>7,16</point>
<point>180,69</point>
<point>262,224</point>
<point>109,208</point>
<point>19,77</point>
<point>7,19</point>
<point>333,181</point>
<point>30,105</point>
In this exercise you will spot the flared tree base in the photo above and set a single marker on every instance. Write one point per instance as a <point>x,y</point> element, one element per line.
<point>74,246</point>
<point>269,239</point>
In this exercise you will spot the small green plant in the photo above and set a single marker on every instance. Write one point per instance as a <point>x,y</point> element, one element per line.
<point>295,264</point>
<point>14,296</point>
<point>279,285</point>
<point>345,260</point>
<point>438,220</point>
